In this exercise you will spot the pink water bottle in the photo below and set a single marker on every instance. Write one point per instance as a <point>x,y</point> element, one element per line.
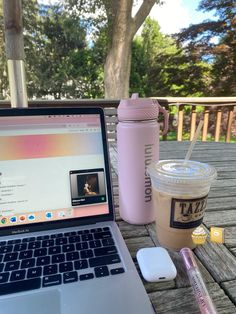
<point>138,146</point>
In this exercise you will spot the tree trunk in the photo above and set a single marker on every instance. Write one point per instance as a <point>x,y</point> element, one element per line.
<point>118,61</point>
<point>117,70</point>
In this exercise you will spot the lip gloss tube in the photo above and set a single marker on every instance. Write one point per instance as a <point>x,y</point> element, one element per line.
<point>202,296</point>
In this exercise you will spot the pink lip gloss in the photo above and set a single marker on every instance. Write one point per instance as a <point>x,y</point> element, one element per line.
<point>202,296</point>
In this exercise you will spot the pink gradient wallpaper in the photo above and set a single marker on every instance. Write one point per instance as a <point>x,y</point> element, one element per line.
<point>50,145</point>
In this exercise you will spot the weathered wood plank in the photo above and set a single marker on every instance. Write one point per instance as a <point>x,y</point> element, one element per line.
<point>230,236</point>
<point>222,218</point>
<point>135,244</point>
<point>132,231</point>
<point>233,251</point>
<point>183,300</point>
<point>110,111</point>
<point>217,204</point>
<point>220,263</point>
<point>222,192</point>
<point>230,288</point>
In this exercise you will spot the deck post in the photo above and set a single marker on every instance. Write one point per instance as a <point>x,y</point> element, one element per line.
<point>13,26</point>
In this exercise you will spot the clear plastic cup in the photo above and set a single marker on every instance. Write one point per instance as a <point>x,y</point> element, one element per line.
<point>180,189</point>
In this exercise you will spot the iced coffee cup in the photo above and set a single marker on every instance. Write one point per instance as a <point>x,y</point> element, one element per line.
<point>180,189</point>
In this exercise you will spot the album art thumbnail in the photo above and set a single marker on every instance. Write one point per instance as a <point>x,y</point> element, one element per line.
<point>87,187</point>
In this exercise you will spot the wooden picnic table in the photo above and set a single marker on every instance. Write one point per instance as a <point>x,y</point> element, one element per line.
<point>217,262</point>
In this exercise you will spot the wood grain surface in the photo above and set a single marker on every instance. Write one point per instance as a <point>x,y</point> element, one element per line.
<point>217,262</point>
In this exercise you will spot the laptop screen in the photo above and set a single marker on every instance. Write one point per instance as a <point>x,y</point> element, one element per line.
<point>52,168</point>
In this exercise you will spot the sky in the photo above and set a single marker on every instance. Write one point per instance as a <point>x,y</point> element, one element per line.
<point>172,15</point>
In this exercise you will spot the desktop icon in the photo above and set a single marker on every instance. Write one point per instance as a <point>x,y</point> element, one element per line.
<point>13,219</point>
<point>61,214</point>
<point>3,220</point>
<point>22,218</point>
<point>48,215</point>
<point>31,217</point>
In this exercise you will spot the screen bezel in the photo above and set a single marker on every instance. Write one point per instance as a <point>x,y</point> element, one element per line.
<point>69,222</point>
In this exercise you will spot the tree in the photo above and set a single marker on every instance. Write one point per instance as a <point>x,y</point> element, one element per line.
<point>121,28</point>
<point>160,68</point>
<point>221,52</point>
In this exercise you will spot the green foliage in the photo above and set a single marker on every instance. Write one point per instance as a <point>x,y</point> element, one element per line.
<point>221,51</point>
<point>162,69</point>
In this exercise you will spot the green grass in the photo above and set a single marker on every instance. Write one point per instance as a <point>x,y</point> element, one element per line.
<point>172,136</point>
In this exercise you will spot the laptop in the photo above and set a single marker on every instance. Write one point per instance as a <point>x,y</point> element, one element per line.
<point>61,251</point>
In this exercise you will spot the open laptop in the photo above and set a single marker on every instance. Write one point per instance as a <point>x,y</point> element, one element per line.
<point>60,249</point>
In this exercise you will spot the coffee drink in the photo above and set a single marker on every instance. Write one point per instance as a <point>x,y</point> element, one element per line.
<point>180,190</point>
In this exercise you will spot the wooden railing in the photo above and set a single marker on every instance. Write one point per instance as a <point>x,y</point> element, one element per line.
<point>214,107</point>
<point>210,105</point>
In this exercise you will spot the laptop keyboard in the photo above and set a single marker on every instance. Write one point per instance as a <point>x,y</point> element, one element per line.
<point>49,260</point>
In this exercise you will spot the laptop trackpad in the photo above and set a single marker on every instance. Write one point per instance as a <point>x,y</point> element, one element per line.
<point>47,302</point>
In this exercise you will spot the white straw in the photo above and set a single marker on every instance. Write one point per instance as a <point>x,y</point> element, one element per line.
<point>189,152</point>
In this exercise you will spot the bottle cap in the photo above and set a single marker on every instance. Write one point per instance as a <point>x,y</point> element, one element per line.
<point>138,109</point>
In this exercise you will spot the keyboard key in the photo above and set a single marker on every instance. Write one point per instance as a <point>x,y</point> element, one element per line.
<point>54,250</point>
<point>87,237</point>
<point>68,248</point>
<point>26,254</point>
<point>86,276</point>
<point>61,241</point>
<point>12,266</point>
<point>44,237</point>
<point>102,235</point>
<point>58,258</point>
<point>116,271</point>
<point>50,270</point>
<point>57,235</point>
<point>34,272</point>
<point>71,256</point>
<point>43,260</point>
<point>34,245</point>
<point>15,241</point>
<point>53,280</point>
<point>71,233</point>
<point>19,286</point>
<point>105,251</point>
<point>48,243</point>
<point>107,242</point>
<point>95,244</point>
<point>71,276</point>
<point>106,229</point>
<point>10,257</point>
<point>101,271</point>
<point>40,252</point>
<point>4,277</point>
<point>81,246</point>
<point>18,275</point>
<point>83,231</point>
<point>20,247</point>
<point>3,243</point>
<point>27,263</point>
<point>96,230</point>
<point>1,267</point>
<point>81,264</point>
<point>31,239</point>
<point>6,249</point>
<point>65,267</point>
<point>86,253</point>
<point>104,260</point>
<point>74,239</point>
